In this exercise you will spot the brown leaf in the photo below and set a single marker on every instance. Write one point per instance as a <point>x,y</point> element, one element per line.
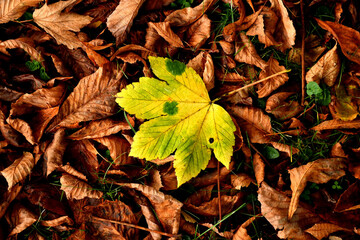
<point>121,20</point>
<point>327,68</point>
<point>241,180</point>
<point>19,169</point>
<point>348,38</point>
<point>75,188</point>
<point>349,199</point>
<point>92,98</point>
<point>119,149</point>
<point>289,150</point>
<point>8,197</point>
<point>266,88</point>
<point>337,124</point>
<point>72,171</point>
<point>259,169</point>
<point>29,80</point>
<point>164,30</point>
<point>186,16</point>
<point>323,230</point>
<point>155,179</point>
<point>20,218</point>
<point>199,32</point>
<point>342,107</point>
<point>53,155</point>
<point>204,66</point>
<point>157,4</point>
<point>61,25</point>
<point>282,109</point>
<point>11,135</point>
<point>241,233</point>
<point>246,52</point>
<point>100,128</point>
<point>57,221</point>
<point>23,44</point>
<point>319,171</point>
<point>9,95</point>
<point>13,9</point>
<point>274,207</point>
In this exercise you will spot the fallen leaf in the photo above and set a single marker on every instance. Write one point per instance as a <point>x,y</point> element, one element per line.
<point>327,68</point>
<point>121,20</point>
<point>277,105</point>
<point>119,149</point>
<point>266,88</point>
<point>91,99</point>
<point>319,171</point>
<point>289,150</point>
<point>100,128</point>
<point>20,218</point>
<point>241,233</point>
<point>186,16</point>
<point>75,188</point>
<point>53,155</point>
<point>12,136</point>
<point>72,171</point>
<point>259,169</point>
<point>9,95</point>
<point>204,66</point>
<point>199,32</point>
<point>29,80</point>
<point>336,124</point>
<point>164,30</point>
<point>349,199</point>
<point>342,107</point>
<point>246,52</point>
<point>323,230</point>
<point>348,38</point>
<point>8,197</point>
<point>23,44</point>
<point>57,221</point>
<point>59,25</point>
<point>13,9</point>
<point>157,4</point>
<point>241,180</point>
<point>19,169</point>
<point>274,207</point>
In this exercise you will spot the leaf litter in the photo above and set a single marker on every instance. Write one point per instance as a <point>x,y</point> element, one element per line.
<point>189,76</point>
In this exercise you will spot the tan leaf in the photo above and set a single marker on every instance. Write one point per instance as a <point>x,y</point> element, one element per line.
<point>121,20</point>
<point>61,25</point>
<point>11,135</point>
<point>323,230</point>
<point>241,233</point>
<point>92,98</point>
<point>128,48</point>
<point>282,109</point>
<point>19,169</point>
<point>57,221</point>
<point>204,66</point>
<point>21,43</point>
<point>246,52</point>
<point>265,89</point>
<point>21,218</point>
<point>72,171</point>
<point>254,122</point>
<point>199,32</point>
<point>289,150</point>
<point>259,169</point>
<point>337,124</point>
<point>285,32</point>
<point>230,77</point>
<point>53,155</point>
<point>119,149</point>
<point>100,128</point>
<point>164,30</point>
<point>228,47</point>
<point>13,9</point>
<point>75,188</point>
<point>327,68</point>
<point>319,171</point>
<point>241,180</point>
<point>8,197</point>
<point>274,207</point>
<point>348,39</point>
<point>186,16</point>
<point>155,179</point>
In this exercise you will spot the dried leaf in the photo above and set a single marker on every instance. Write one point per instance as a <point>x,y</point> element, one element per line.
<point>57,221</point>
<point>319,171</point>
<point>323,230</point>
<point>121,20</point>
<point>100,128</point>
<point>204,66</point>
<point>349,199</point>
<point>72,171</point>
<point>274,207</point>
<point>74,188</point>
<point>91,99</point>
<point>199,32</point>
<point>246,52</point>
<point>265,89</point>
<point>20,218</point>
<point>282,109</point>
<point>259,169</point>
<point>337,124</point>
<point>119,149</point>
<point>53,155</point>
<point>8,197</point>
<point>327,68</point>
<point>13,9</point>
<point>348,39</point>
<point>19,169</point>
<point>9,95</point>
<point>241,180</point>
<point>60,25</point>
<point>342,107</point>
<point>11,135</point>
<point>241,233</point>
<point>22,43</point>
<point>164,30</point>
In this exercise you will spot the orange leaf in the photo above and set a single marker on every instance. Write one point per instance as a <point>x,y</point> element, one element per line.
<point>323,230</point>
<point>164,30</point>
<point>75,188</point>
<point>337,124</point>
<point>199,32</point>
<point>119,149</point>
<point>13,9</point>
<point>53,155</point>
<point>21,218</point>
<point>23,44</point>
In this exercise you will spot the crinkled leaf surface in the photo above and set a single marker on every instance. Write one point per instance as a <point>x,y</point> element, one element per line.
<point>182,118</point>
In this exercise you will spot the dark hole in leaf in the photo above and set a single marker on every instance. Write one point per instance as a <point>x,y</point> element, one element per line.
<point>211,140</point>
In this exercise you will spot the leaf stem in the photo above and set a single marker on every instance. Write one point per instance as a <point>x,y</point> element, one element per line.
<point>250,85</point>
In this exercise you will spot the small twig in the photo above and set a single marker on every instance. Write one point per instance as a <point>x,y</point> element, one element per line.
<point>135,226</point>
<point>219,194</point>
<point>302,53</point>
<point>250,85</point>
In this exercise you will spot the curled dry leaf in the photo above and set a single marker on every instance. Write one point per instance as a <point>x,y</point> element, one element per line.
<point>274,207</point>
<point>100,128</point>
<point>327,68</point>
<point>53,155</point>
<point>8,197</point>
<point>164,30</point>
<point>119,149</point>
<point>246,52</point>
<point>61,25</point>
<point>282,109</point>
<point>23,44</point>
<point>72,171</point>
<point>75,188</point>
<point>323,230</point>
<point>241,180</point>
<point>91,99</point>
<point>241,233</point>
<point>289,150</point>
<point>337,124</point>
<point>259,169</point>
<point>204,66</point>
<point>57,221</point>
<point>199,32</point>
<point>13,9</point>
<point>348,200</point>
<point>12,136</point>
<point>266,88</point>
<point>121,20</point>
<point>319,171</point>
<point>19,169</point>
<point>9,95</point>
<point>348,39</point>
<point>20,218</point>
<point>186,16</point>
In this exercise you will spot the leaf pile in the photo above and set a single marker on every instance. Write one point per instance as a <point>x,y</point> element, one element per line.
<point>75,164</point>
